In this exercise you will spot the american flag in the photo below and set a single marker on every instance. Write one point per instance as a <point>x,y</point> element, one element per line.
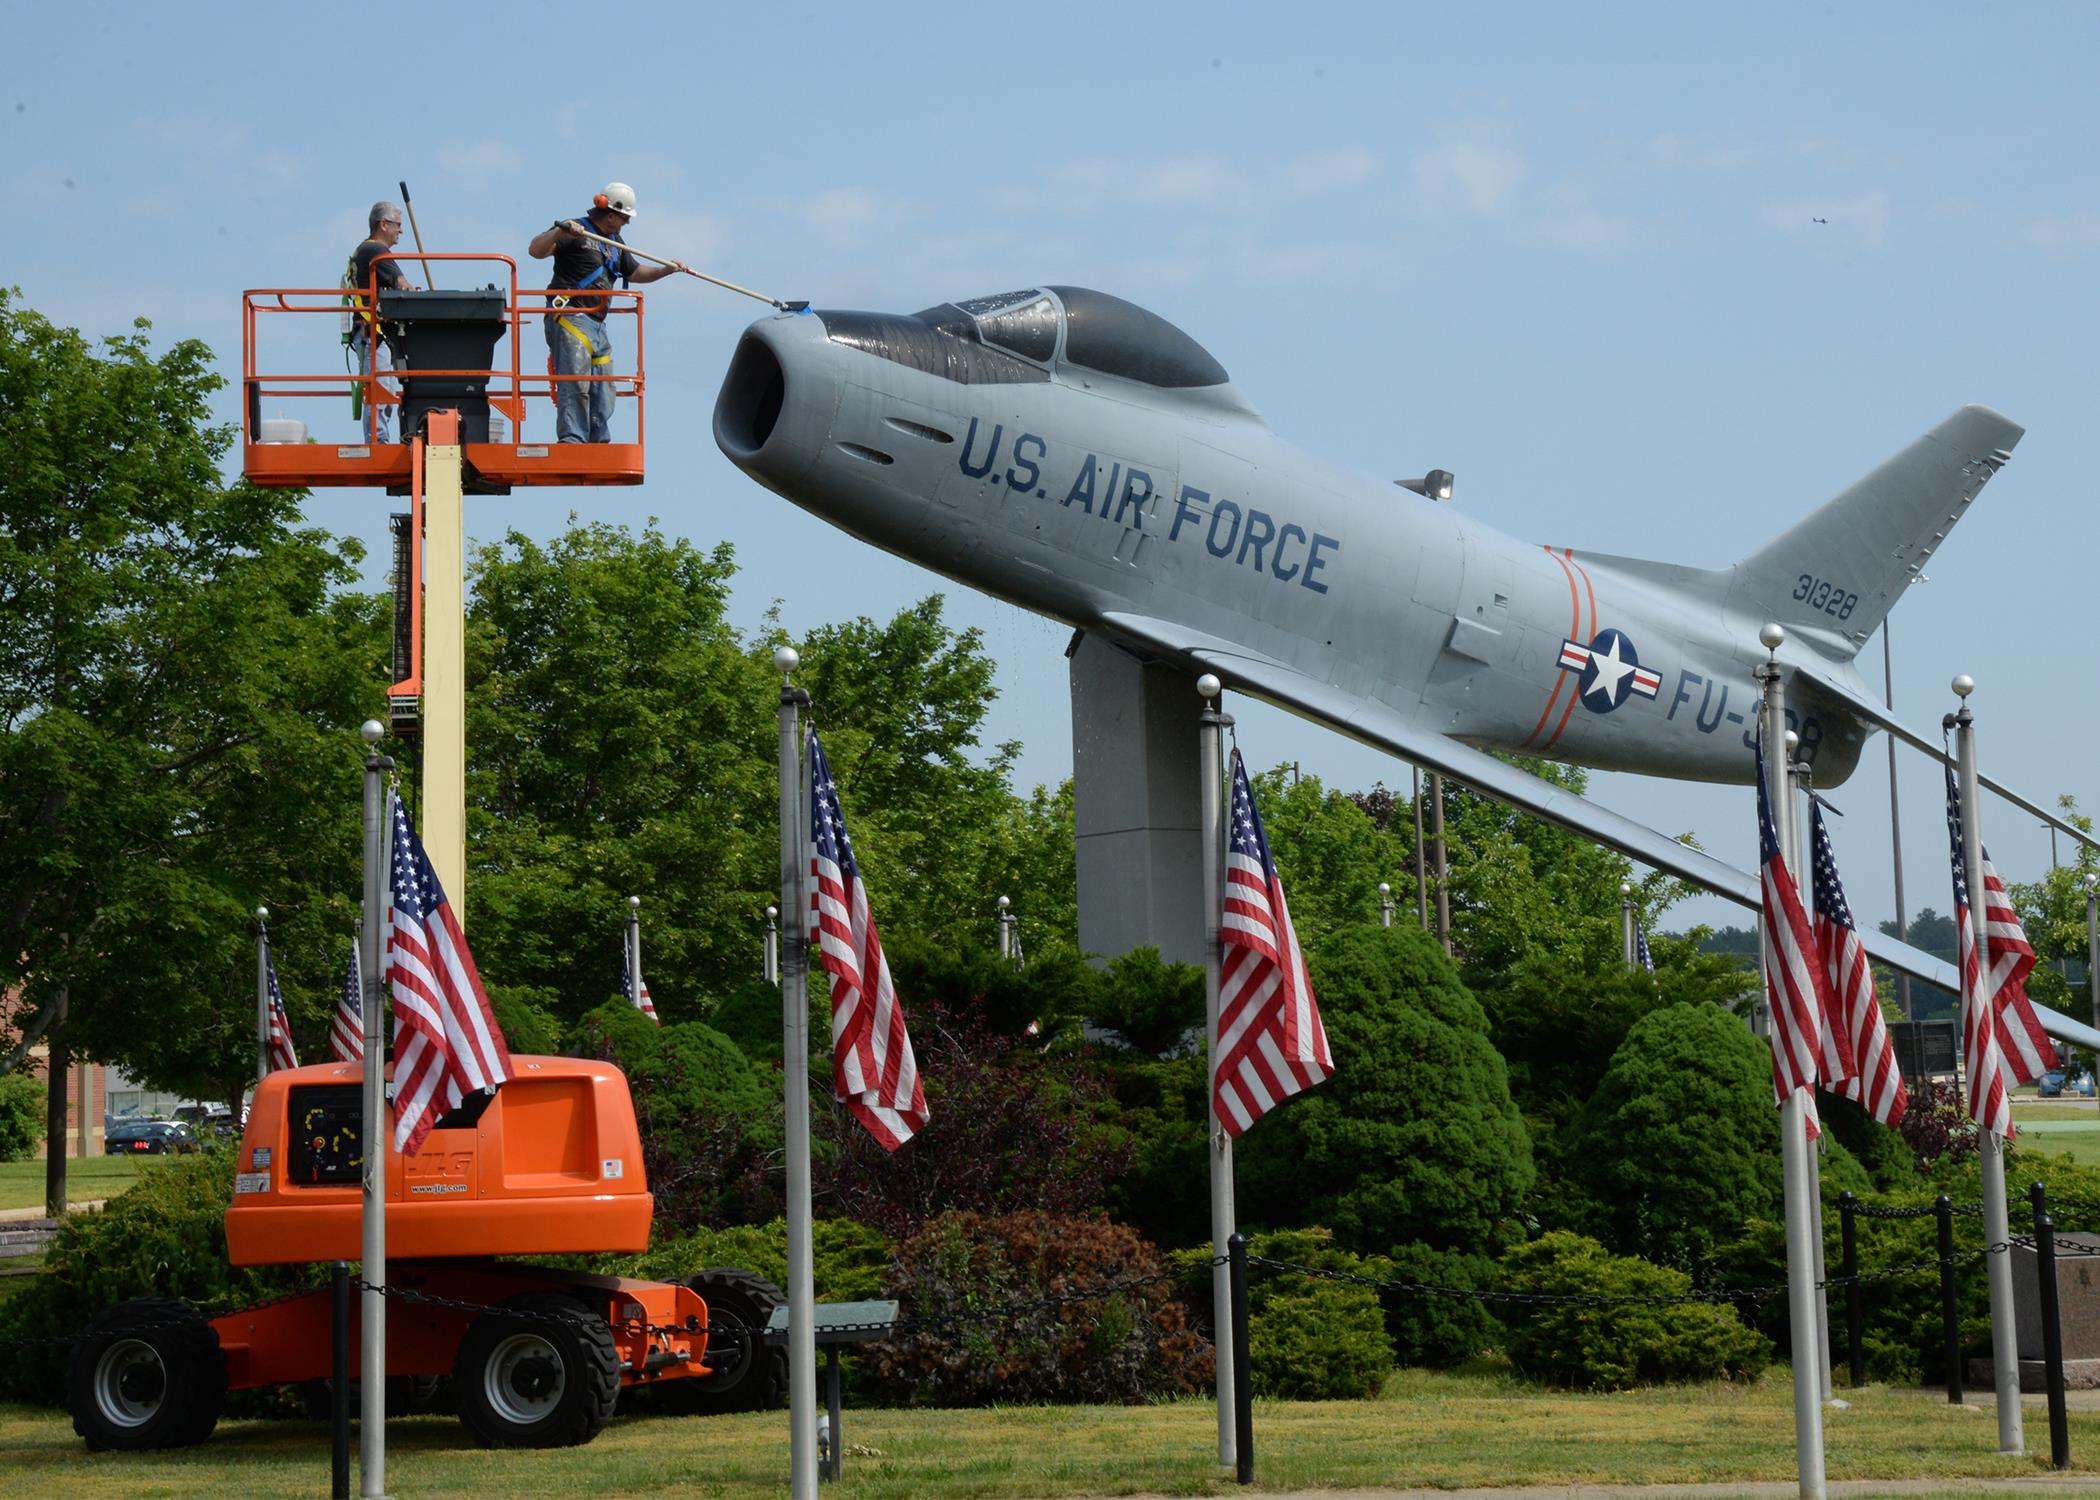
<point>282,1053</point>
<point>346,1038</point>
<point>1876,1083</point>
<point>873,1071</point>
<point>1796,990</point>
<point>2002,1042</point>
<point>1641,955</point>
<point>1270,1042</point>
<point>638,993</point>
<point>446,1038</point>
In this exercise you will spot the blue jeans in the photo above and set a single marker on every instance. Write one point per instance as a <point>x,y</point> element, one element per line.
<point>582,409</point>
<point>378,420</point>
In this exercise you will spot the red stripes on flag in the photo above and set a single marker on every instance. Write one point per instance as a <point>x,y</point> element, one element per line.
<point>874,1073</point>
<point>446,1040</point>
<point>346,1036</point>
<point>1270,1043</point>
<point>1796,988</point>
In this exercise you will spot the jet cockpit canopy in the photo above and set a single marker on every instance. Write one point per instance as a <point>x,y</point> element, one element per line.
<point>1088,329</point>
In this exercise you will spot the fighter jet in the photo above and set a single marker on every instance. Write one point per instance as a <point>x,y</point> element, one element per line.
<point>1077,455</point>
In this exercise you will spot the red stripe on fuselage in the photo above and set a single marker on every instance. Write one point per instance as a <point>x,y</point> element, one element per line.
<point>1560,677</point>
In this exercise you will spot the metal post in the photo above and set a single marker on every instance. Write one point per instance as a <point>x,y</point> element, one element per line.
<point>634,951</point>
<point>1888,692</point>
<point>1626,948</point>
<point>2005,1353</point>
<point>1848,1213</point>
<point>1950,1314</point>
<point>339,1391</point>
<point>1006,940</point>
<point>1385,903</point>
<point>262,996</point>
<point>1421,884</point>
<point>1800,786</point>
<point>371,1434</point>
<point>1210,744</point>
<point>1436,839</point>
<point>771,962</point>
<point>2092,953</point>
<point>1802,1297</point>
<point>2052,1326</point>
<point>1242,1384</point>
<point>794,1011</point>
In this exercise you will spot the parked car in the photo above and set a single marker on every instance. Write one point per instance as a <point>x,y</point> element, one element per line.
<point>216,1119</point>
<point>155,1137</point>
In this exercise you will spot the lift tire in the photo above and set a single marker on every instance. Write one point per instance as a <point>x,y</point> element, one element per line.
<point>749,1377</point>
<point>148,1373</point>
<point>547,1379</point>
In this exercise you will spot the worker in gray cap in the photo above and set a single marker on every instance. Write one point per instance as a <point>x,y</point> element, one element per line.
<point>361,332</point>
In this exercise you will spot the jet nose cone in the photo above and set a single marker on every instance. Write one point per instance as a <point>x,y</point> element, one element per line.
<point>778,399</point>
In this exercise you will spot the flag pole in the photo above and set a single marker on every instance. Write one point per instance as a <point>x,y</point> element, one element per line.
<point>794,1011</point>
<point>771,960</point>
<point>262,993</point>
<point>634,951</point>
<point>1800,787</point>
<point>1626,948</point>
<point>371,1436</point>
<point>2005,1354</point>
<point>1793,1141</point>
<point>1210,740</point>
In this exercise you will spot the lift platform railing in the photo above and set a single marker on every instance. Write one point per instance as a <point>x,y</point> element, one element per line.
<point>517,383</point>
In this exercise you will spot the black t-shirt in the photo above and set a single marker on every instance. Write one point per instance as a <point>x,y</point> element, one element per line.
<point>575,261</point>
<point>361,266</point>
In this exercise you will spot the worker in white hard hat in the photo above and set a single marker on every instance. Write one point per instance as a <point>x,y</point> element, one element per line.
<point>584,272</point>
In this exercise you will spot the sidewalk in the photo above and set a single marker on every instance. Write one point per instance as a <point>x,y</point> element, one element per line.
<point>2049,1486</point>
<point>18,1215</point>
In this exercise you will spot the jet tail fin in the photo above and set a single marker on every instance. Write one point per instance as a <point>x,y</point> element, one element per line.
<point>1836,575</point>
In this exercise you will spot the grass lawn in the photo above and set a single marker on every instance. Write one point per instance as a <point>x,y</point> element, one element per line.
<point>88,1178</point>
<point>1428,1430</point>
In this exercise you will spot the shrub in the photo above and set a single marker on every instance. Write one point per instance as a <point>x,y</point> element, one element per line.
<point>985,1335</point>
<point>21,1116</point>
<point>1308,1338</point>
<point>1617,1347</point>
<point>1414,1139</point>
<point>166,1237</point>
<point>1010,1130</point>
<point>1441,1331</point>
<point>850,1259</point>
<point>1680,1145</point>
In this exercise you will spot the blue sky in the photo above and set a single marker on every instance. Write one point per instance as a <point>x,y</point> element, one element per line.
<point>1567,252</point>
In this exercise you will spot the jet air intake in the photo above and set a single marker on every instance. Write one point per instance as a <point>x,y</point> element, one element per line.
<point>752,395</point>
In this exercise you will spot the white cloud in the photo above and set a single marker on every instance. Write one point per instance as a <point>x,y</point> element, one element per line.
<point>1862,218</point>
<point>2064,234</point>
<point>1332,170</point>
<point>1473,176</point>
<point>480,158</point>
<point>1672,151</point>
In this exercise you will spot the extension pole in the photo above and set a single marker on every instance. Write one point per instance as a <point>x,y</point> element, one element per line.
<point>794,1014</point>
<point>1210,742</point>
<point>678,265</point>
<point>1990,1154</point>
<point>371,1434</point>
<point>415,229</point>
<point>1793,1140</point>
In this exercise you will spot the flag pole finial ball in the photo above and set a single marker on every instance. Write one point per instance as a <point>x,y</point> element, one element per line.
<point>786,659</point>
<point>2092,883</point>
<point>1772,637</point>
<point>1004,903</point>
<point>772,912</point>
<point>635,902</point>
<point>1964,685</point>
<point>1208,686</point>
<point>371,731</point>
<point>1793,742</point>
<point>1385,888</point>
<point>262,913</point>
<point>1625,889</point>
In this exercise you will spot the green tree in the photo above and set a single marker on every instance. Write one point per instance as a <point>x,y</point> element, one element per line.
<point>1678,1145</point>
<point>624,744</point>
<point>180,683</point>
<point>1415,1138</point>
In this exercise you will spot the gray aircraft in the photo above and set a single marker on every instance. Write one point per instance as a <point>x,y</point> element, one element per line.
<point>1081,457</point>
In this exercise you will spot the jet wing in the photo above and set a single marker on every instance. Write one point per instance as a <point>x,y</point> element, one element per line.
<point>1387,728</point>
<point>1825,682</point>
